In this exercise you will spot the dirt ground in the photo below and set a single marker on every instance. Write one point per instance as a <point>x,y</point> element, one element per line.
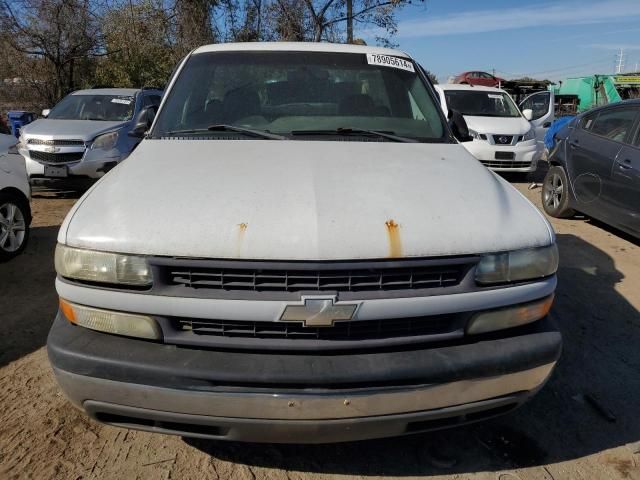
<point>583,425</point>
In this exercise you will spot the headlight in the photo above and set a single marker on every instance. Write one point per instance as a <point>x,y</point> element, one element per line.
<point>102,267</point>
<point>530,135</point>
<point>476,135</point>
<point>518,265</point>
<point>119,323</point>
<point>509,317</point>
<point>105,142</point>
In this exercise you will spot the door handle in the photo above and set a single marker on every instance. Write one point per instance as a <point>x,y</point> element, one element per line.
<point>574,144</point>
<point>625,164</point>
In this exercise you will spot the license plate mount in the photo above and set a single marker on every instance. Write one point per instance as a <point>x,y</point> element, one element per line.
<point>56,171</point>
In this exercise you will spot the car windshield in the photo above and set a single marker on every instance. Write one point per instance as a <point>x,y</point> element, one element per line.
<point>110,108</point>
<point>481,103</point>
<point>301,95</point>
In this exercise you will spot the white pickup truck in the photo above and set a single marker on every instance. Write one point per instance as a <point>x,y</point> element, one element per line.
<point>314,258</point>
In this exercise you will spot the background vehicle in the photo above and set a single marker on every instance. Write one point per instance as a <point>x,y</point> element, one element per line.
<point>478,78</point>
<point>503,139</point>
<point>15,213</point>
<point>543,113</point>
<point>595,167</point>
<point>85,134</point>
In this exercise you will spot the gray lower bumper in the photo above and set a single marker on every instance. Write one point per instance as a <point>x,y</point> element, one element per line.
<point>314,417</point>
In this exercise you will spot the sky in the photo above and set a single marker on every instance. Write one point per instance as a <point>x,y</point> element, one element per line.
<point>543,39</point>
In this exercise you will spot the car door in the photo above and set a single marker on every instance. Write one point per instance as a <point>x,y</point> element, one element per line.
<point>593,148</point>
<point>626,182</point>
<point>541,104</point>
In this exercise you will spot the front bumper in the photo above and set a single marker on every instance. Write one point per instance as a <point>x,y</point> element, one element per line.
<point>525,155</point>
<point>294,398</point>
<point>91,167</point>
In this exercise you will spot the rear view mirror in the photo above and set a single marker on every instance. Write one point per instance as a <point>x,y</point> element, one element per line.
<point>45,112</point>
<point>143,122</point>
<point>458,126</point>
<point>528,114</point>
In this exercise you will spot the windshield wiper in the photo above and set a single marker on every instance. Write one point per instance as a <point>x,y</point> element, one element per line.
<point>230,128</point>
<point>356,131</point>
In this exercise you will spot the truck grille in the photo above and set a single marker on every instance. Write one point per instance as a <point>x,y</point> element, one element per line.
<point>56,143</point>
<point>56,157</point>
<point>502,139</point>
<point>341,330</point>
<point>294,280</point>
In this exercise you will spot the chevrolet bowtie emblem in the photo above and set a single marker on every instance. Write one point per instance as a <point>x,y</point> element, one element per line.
<point>318,312</point>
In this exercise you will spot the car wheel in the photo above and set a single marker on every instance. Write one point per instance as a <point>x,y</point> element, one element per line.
<point>555,193</point>
<point>14,225</point>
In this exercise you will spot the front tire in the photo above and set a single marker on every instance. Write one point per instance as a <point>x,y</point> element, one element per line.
<point>555,193</point>
<point>15,217</point>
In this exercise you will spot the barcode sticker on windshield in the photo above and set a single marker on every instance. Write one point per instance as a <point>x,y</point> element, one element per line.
<point>496,96</point>
<point>123,101</point>
<point>389,61</point>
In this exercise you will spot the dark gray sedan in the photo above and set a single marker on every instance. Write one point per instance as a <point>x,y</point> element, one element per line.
<point>595,167</point>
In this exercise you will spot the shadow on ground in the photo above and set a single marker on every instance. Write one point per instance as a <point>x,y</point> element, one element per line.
<point>588,406</point>
<point>28,298</point>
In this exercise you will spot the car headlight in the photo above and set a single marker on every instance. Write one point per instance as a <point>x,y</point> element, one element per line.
<point>105,142</point>
<point>477,136</point>
<point>118,323</point>
<point>102,267</point>
<point>518,265</point>
<point>530,135</point>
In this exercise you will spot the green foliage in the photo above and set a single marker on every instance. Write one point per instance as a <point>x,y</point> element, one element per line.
<point>138,51</point>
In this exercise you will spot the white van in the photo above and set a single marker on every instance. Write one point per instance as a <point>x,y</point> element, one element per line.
<point>503,138</point>
<point>315,258</point>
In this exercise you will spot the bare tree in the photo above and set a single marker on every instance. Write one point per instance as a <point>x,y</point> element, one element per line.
<point>65,34</point>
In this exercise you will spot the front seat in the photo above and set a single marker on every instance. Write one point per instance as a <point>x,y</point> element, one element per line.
<point>356,105</point>
<point>240,103</point>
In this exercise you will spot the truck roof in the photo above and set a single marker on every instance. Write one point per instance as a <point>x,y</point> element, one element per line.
<point>298,47</point>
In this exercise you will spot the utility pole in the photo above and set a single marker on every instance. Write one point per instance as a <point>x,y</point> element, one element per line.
<point>620,62</point>
<point>349,21</point>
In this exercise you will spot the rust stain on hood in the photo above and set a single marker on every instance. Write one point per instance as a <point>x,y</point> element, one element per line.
<point>395,243</point>
<point>242,228</point>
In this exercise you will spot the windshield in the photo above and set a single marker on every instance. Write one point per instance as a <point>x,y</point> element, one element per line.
<point>301,95</point>
<point>481,103</point>
<point>110,108</point>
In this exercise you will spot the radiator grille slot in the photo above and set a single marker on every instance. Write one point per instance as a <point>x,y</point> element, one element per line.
<point>341,330</point>
<point>354,280</point>
<point>56,157</point>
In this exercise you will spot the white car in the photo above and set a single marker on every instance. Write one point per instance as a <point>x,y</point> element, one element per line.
<point>315,258</point>
<point>15,193</point>
<point>503,138</point>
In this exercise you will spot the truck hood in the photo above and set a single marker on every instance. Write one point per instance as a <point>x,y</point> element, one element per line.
<point>294,200</point>
<point>498,125</point>
<point>86,130</point>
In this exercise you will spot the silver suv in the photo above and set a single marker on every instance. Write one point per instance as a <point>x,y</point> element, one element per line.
<point>87,133</point>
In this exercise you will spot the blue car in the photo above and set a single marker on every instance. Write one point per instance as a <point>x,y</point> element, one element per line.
<point>595,167</point>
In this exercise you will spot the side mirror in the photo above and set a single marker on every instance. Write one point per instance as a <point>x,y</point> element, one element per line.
<point>528,114</point>
<point>45,112</point>
<point>143,122</point>
<point>459,127</point>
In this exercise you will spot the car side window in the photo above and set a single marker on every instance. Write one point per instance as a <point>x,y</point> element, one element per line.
<point>146,101</point>
<point>614,124</point>
<point>586,122</point>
